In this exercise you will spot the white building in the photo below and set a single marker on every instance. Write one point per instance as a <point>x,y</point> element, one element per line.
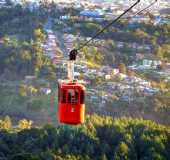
<point>2,3</point>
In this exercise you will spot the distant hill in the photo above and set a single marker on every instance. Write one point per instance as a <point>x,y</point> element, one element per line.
<point>101,138</point>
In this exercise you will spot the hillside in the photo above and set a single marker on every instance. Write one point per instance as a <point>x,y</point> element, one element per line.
<point>100,138</point>
<point>127,75</point>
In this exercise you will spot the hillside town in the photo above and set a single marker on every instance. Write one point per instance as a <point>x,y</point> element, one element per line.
<point>57,47</point>
<point>126,65</point>
<point>84,80</point>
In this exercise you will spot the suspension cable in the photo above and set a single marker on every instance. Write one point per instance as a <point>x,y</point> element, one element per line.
<point>147,7</point>
<point>108,25</point>
<point>144,9</point>
<point>73,53</point>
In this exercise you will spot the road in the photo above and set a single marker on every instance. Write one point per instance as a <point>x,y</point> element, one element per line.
<point>54,46</point>
<point>55,40</point>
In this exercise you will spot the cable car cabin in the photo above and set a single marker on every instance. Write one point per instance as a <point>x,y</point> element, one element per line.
<point>71,107</point>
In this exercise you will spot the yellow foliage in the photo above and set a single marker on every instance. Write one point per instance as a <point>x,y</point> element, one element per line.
<point>1,124</point>
<point>25,124</point>
<point>23,90</point>
<point>6,123</point>
<point>32,90</point>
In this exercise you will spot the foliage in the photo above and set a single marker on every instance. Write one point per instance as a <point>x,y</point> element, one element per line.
<point>20,21</point>
<point>122,68</point>
<point>140,33</point>
<point>93,55</point>
<point>21,35</point>
<point>163,52</point>
<point>25,90</point>
<point>99,138</point>
<point>6,123</point>
<point>161,102</point>
<point>25,58</point>
<point>24,124</point>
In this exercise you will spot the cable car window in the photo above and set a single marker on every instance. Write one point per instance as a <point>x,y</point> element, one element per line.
<point>63,96</point>
<point>82,97</point>
<point>77,96</point>
<point>69,97</point>
<point>73,96</point>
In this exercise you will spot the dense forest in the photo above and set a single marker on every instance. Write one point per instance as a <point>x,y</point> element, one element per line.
<point>100,138</point>
<point>21,36</point>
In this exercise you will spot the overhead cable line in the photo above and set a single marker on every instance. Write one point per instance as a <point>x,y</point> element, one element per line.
<point>147,7</point>
<point>108,25</point>
<point>73,53</point>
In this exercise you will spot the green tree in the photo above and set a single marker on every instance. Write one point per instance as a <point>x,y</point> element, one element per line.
<point>122,68</point>
<point>24,124</point>
<point>141,34</point>
<point>159,53</point>
<point>6,123</point>
<point>23,90</point>
<point>39,36</point>
<point>122,152</point>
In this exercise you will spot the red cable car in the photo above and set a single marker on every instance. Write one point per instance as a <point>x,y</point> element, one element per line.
<point>71,107</point>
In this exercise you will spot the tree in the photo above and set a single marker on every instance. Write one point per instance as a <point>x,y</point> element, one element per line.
<point>159,53</point>
<point>122,152</point>
<point>39,36</point>
<point>99,138</point>
<point>24,124</point>
<point>93,55</point>
<point>130,73</point>
<point>6,40</point>
<point>122,68</point>
<point>6,123</point>
<point>104,157</point>
<point>23,90</point>
<point>141,34</point>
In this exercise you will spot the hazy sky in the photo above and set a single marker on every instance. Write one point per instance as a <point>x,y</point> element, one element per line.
<point>142,3</point>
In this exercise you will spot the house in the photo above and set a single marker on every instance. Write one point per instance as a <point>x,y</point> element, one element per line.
<point>76,74</point>
<point>29,78</point>
<point>46,91</point>
<point>51,36</point>
<point>139,19</point>
<point>145,83</point>
<point>147,62</point>
<point>115,71</point>
<point>107,77</point>
<point>2,3</point>
<point>92,13</point>
<point>149,91</point>
<point>151,63</point>
<point>125,98</point>
<point>120,44</point>
<point>144,64</point>
<point>1,41</point>
<point>106,69</point>
<point>139,56</point>
<point>95,99</point>
<point>66,17</point>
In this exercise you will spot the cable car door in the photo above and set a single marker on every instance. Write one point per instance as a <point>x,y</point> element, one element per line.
<point>73,103</point>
